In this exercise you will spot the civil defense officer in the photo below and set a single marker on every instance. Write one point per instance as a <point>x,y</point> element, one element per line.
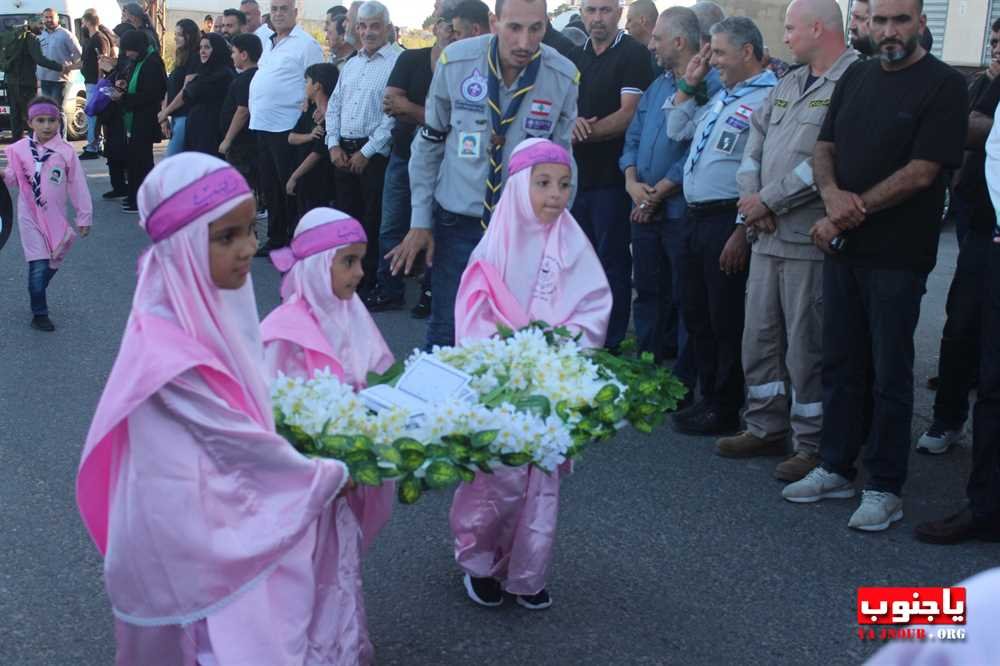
<point>783,336</point>
<point>488,94</point>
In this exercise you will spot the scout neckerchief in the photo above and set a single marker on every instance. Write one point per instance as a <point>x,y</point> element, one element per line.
<point>765,79</point>
<point>133,85</point>
<point>501,120</point>
<point>41,155</point>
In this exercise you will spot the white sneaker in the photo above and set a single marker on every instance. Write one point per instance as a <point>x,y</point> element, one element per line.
<point>816,485</point>
<point>878,510</point>
<point>937,440</point>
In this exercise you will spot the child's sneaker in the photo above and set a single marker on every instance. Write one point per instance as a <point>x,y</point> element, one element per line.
<point>42,323</point>
<point>539,601</point>
<point>484,591</point>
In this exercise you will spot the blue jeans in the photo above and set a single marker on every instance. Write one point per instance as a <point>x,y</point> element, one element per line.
<point>177,127</point>
<point>455,236</point>
<point>870,315</point>
<point>395,222</point>
<point>56,90</point>
<point>603,215</point>
<point>39,276</point>
<point>93,129</point>
<point>659,325</point>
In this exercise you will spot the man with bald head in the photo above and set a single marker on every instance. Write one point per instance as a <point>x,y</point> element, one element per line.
<point>640,19</point>
<point>883,191</point>
<point>783,332</point>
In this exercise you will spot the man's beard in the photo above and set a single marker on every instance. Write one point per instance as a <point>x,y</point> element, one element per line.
<point>899,54</point>
<point>863,44</point>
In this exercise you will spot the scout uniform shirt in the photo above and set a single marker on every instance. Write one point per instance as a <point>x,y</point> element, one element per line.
<point>778,159</point>
<point>718,132</point>
<point>450,155</point>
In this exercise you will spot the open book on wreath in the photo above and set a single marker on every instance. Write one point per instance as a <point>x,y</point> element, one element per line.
<point>426,382</point>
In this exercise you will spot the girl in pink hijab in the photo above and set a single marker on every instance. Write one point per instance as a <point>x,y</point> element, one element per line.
<point>534,263</point>
<point>48,174</point>
<point>322,324</point>
<point>207,520</point>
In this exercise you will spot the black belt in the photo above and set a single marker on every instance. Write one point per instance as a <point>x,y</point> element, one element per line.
<point>352,145</point>
<point>713,207</point>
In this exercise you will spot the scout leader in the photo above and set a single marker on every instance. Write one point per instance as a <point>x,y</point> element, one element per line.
<point>488,94</point>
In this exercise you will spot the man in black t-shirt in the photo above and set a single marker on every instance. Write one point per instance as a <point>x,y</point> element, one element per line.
<point>614,71</point>
<point>959,357</point>
<point>239,145</point>
<point>883,190</point>
<point>405,94</point>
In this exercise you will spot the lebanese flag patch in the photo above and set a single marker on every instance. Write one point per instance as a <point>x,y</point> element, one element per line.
<point>541,107</point>
<point>744,112</point>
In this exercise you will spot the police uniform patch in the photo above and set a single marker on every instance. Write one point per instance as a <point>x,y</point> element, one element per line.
<point>474,88</point>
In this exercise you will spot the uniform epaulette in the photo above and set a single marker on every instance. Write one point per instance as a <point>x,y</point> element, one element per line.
<point>465,49</point>
<point>560,63</point>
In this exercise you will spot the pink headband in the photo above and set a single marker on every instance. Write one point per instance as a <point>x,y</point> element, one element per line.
<point>335,233</point>
<point>43,109</point>
<point>191,202</point>
<point>544,152</point>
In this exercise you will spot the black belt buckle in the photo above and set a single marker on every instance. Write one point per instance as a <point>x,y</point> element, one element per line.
<point>353,145</point>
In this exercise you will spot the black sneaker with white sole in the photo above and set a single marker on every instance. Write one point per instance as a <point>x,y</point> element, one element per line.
<point>484,591</point>
<point>539,601</point>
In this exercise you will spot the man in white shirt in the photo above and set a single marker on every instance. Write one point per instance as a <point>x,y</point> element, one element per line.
<point>252,11</point>
<point>276,96</point>
<point>358,133</point>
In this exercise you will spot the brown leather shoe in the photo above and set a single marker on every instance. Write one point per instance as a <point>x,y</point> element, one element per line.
<point>745,445</point>
<point>956,529</point>
<point>796,466</point>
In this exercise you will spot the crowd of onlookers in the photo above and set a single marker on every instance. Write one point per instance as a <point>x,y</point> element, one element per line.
<point>767,226</point>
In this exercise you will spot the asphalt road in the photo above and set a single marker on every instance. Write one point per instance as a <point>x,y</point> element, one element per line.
<point>666,554</point>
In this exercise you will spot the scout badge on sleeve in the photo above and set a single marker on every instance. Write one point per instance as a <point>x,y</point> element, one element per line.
<point>6,215</point>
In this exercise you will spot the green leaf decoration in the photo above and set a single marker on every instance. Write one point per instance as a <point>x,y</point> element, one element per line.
<point>367,474</point>
<point>466,474</point>
<point>393,373</point>
<point>358,457</point>
<point>408,444</point>
<point>390,454</point>
<point>504,332</point>
<point>437,451</point>
<point>484,467</point>
<point>361,443</point>
<point>483,439</point>
<point>441,474</point>
<point>389,472</point>
<point>459,453</point>
<point>409,489</point>
<point>538,405</point>
<point>412,459</point>
<point>515,459</point>
<point>608,394</point>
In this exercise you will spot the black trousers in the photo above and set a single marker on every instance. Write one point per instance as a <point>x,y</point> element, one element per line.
<point>959,357</point>
<point>138,165</point>
<point>275,166</point>
<point>869,317</point>
<point>19,96</point>
<point>360,196</point>
<point>984,482</point>
<point>713,307</point>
